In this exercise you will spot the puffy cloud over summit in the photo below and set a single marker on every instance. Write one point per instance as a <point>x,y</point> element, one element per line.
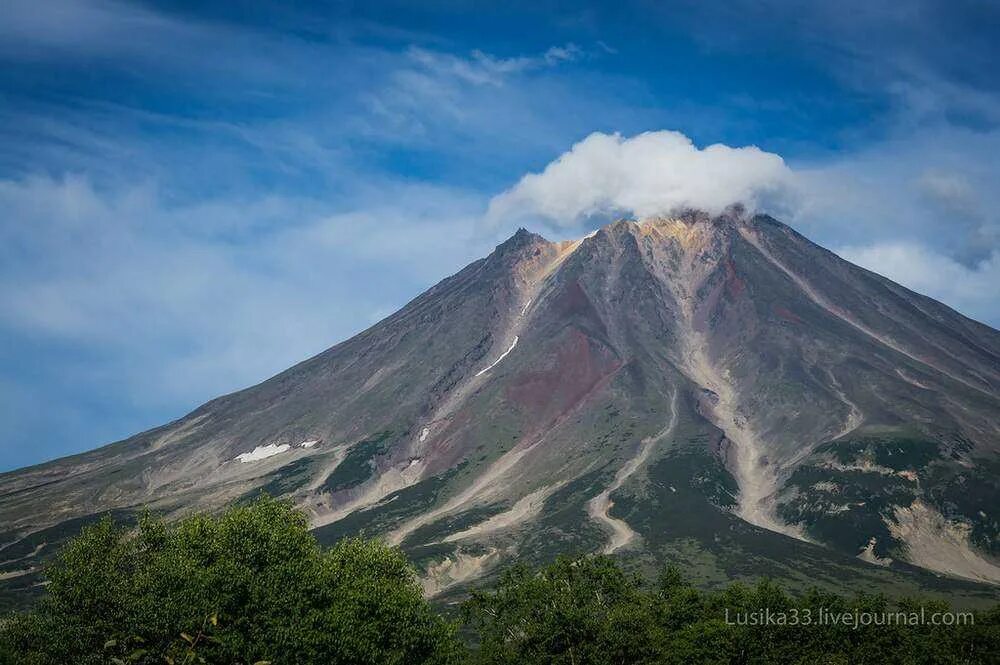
<point>647,174</point>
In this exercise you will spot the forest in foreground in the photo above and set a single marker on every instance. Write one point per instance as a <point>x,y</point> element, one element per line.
<point>251,586</point>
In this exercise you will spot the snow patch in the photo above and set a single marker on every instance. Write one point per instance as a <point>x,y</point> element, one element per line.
<point>423,433</point>
<point>497,361</point>
<point>309,443</point>
<point>263,452</point>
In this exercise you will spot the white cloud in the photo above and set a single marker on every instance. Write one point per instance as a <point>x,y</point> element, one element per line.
<point>200,299</point>
<point>933,188</point>
<point>910,210</point>
<point>648,174</point>
<point>952,191</point>
<point>483,68</point>
<point>432,93</point>
<point>79,26</point>
<point>971,290</point>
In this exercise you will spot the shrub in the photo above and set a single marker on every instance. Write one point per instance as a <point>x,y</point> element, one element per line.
<point>248,586</point>
<point>588,611</point>
<point>583,610</point>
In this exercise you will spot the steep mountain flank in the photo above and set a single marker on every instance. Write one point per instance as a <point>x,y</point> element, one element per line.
<point>716,391</point>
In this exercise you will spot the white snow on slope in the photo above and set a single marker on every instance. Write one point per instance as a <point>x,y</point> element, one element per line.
<point>502,356</point>
<point>263,452</point>
<point>423,433</point>
<point>309,444</point>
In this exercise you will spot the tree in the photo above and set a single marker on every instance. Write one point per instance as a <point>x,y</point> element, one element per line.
<point>248,586</point>
<point>589,611</point>
<point>575,611</point>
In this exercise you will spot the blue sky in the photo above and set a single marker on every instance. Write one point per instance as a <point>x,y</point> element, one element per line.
<point>195,195</point>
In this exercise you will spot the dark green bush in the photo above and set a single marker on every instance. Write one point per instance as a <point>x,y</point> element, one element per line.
<point>588,612</point>
<point>248,586</point>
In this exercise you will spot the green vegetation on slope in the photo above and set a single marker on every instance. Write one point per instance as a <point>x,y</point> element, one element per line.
<point>843,493</point>
<point>357,465</point>
<point>253,586</point>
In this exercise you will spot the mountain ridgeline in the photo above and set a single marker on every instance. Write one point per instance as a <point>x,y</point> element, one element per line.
<point>718,392</point>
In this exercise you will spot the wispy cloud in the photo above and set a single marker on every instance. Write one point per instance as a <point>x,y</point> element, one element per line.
<point>969,288</point>
<point>56,28</point>
<point>217,290</point>
<point>932,187</point>
<point>482,68</point>
<point>469,101</point>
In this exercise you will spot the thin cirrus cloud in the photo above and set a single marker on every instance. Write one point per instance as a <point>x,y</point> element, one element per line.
<point>483,68</point>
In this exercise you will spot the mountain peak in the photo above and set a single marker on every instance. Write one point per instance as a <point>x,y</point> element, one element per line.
<point>521,238</point>
<point>680,223</point>
<point>516,245</point>
<point>682,220</point>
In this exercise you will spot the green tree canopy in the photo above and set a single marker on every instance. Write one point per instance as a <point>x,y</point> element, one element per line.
<point>587,611</point>
<point>584,610</point>
<point>247,586</point>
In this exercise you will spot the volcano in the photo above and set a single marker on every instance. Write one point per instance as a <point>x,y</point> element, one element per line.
<point>715,391</point>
